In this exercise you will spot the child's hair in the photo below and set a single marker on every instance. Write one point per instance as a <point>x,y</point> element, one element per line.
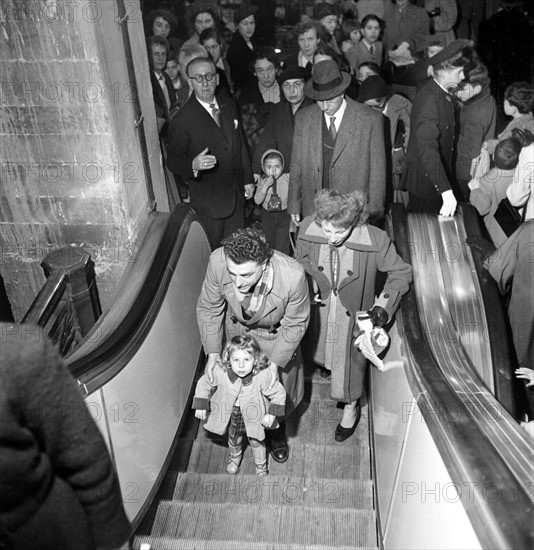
<point>248,345</point>
<point>371,65</point>
<point>521,96</point>
<point>273,156</point>
<point>506,155</point>
<point>173,56</point>
<point>348,26</point>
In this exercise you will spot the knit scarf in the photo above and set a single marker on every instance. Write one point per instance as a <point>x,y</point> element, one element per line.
<point>262,288</point>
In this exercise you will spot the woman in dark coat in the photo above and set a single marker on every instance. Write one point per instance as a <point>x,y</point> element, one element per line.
<point>343,254</point>
<point>242,49</point>
<point>477,118</point>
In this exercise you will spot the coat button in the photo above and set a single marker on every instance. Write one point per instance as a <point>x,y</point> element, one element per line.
<point>347,313</point>
<point>386,295</point>
<point>350,273</point>
<point>320,268</point>
<point>247,329</point>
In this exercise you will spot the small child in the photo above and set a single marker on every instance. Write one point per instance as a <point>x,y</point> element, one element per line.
<point>243,398</point>
<point>271,193</point>
<point>519,104</point>
<point>351,34</point>
<point>490,189</point>
<point>367,69</point>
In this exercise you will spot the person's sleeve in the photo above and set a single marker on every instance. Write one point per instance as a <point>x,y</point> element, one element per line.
<point>296,317</point>
<point>294,198</point>
<point>201,400</point>
<point>179,159</point>
<point>522,185</point>
<point>417,43</point>
<point>277,399</point>
<point>71,440</point>
<point>399,275</point>
<point>377,176</point>
<point>502,263</point>
<point>426,133</point>
<point>211,308</point>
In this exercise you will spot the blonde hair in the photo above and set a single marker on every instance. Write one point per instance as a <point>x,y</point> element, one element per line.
<point>248,345</point>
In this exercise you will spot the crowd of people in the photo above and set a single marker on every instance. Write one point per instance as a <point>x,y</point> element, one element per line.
<point>427,103</point>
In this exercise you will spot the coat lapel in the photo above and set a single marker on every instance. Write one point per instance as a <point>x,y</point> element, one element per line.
<point>346,130</point>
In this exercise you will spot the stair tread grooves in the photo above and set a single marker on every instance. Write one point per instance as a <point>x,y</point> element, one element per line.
<point>305,460</point>
<point>207,521</point>
<point>170,543</point>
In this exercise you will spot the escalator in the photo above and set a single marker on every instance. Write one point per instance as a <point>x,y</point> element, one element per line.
<point>437,461</point>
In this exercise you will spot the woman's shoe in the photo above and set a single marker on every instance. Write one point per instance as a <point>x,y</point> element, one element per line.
<point>234,461</point>
<point>341,433</point>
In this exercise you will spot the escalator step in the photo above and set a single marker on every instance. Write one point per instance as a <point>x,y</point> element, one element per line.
<point>270,524</point>
<point>168,543</point>
<point>281,490</point>
<point>346,460</point>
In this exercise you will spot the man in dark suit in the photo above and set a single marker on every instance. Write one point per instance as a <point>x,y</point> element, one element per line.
<point>337,144</point>
<point>162,87</point>
<point>207,148</point>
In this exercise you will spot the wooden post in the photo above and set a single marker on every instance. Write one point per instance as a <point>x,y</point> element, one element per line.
<point>80,271</point>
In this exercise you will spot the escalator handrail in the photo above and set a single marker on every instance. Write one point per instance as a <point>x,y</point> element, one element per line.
<point>467,452</point>
<point>119,334</point>
<point>496,325</point>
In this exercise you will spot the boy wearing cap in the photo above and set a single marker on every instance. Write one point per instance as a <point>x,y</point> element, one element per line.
<point>337,144</point>
<point>428,170</point>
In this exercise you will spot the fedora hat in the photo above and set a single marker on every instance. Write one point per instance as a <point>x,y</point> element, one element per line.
<point>327,81</point>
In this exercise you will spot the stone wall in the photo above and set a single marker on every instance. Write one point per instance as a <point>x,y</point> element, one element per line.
<point>71,164</point>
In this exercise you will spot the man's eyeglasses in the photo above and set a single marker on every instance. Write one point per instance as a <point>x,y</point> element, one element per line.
<point>201,77</point>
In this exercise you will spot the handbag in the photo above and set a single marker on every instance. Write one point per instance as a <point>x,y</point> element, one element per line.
<point>508,216</point>
<point>275,202</point>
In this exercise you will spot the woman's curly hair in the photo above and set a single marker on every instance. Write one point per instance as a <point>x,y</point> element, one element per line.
<point>340,210</point>
<point>247,245</point>
<point>248,345</point>
<point>164,14</point>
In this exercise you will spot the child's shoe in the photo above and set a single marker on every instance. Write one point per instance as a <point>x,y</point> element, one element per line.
<point>261,468</point>
<point>260,459</point>
<point>234,461</point>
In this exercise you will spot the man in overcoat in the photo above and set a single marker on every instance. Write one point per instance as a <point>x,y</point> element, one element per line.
<point>337,144</point>
<point>251,289</point>
<point>207,148</point>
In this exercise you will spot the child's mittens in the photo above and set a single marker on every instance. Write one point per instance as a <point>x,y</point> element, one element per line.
<point>268,420</point>
<point>201,414</point>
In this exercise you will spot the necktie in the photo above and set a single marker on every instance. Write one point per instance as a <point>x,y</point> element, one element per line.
<point>216,114</point>
<point>163,85</point>
<point>372,50</point>
<point>332,128</point>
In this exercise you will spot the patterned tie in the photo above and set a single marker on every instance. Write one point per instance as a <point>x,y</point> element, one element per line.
<point>332,128</point>
<point>216,114</point>
<point>372,50</point>
<point>163,86</point>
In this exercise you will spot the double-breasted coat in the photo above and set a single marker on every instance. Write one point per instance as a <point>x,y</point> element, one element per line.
<point>366,251</point>
<point>278,326</point>
<point>428,165</point>
<point>358,159</point>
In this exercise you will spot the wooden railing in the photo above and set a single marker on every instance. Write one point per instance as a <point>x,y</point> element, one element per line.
<point>67,305</point>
